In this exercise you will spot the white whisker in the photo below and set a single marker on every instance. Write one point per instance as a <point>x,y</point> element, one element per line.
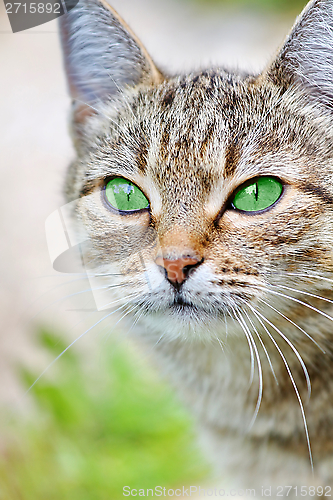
<point>299,302</point>
<point>262,345</point>
<point>248,334</point>
<point>250,347</point>
<point>303,293</point>
<point>75,294</point>
<point>131,295</point>
<point>226,325</point>
<point>293,323</point>
<point>139,315</point>
<point>219,341</point>
<point>257,314</point>
<point>106,336</point>
<point>313,276</point>
<point>52,289</point>
<point>68,347</point>
<point>291,345</point>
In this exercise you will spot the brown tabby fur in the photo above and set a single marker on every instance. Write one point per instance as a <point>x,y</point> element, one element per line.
<point>188,142</point>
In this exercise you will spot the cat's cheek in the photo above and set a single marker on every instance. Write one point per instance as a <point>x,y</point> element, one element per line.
<point>133,223</point>
<point>233,221</point>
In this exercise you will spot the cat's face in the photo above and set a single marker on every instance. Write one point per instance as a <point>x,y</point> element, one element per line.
<point>200,193</point>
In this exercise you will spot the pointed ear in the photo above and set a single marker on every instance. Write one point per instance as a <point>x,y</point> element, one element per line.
<point>102,56</point>
<point>306,59</point>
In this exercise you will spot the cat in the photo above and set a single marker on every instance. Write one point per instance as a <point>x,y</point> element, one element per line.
<point>207,199</point>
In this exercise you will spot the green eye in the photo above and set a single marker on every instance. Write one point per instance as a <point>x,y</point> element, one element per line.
<point>260,194</point>
<point>125,196</point>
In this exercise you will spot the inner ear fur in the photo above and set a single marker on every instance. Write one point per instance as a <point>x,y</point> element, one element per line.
<point>102,56</point>
<point>306,58</point>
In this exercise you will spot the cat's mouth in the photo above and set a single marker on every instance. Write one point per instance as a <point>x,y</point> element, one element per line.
<point>182,305</point>
<point>180,301</point>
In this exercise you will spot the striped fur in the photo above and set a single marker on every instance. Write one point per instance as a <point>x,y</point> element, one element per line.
<point>262,289</point>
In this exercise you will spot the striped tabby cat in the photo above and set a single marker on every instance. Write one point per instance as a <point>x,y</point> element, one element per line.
<point>208,202</point>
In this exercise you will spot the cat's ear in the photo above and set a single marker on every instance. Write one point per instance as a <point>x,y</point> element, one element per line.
<point>102,56</point>
<point>306,59</point>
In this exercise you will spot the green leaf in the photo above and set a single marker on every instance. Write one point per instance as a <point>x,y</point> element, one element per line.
<point>95,430</point>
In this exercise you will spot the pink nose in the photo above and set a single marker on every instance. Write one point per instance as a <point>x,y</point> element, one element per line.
<point>175,269</point>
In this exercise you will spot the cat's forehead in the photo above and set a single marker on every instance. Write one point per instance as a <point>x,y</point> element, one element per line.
<point>200,125</point>
<point>204,131</point>
<point>218,125</point>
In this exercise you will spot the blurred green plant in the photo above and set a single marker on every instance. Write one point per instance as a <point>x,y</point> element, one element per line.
<point>279,5</point>
<point>91,438</point>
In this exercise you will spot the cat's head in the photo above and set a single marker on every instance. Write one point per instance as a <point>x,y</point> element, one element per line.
<point>200,192</point>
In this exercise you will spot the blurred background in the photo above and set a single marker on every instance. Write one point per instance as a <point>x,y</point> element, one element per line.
<point>99,418</point>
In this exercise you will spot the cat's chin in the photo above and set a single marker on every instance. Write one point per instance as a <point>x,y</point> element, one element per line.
<point>185,322</point>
